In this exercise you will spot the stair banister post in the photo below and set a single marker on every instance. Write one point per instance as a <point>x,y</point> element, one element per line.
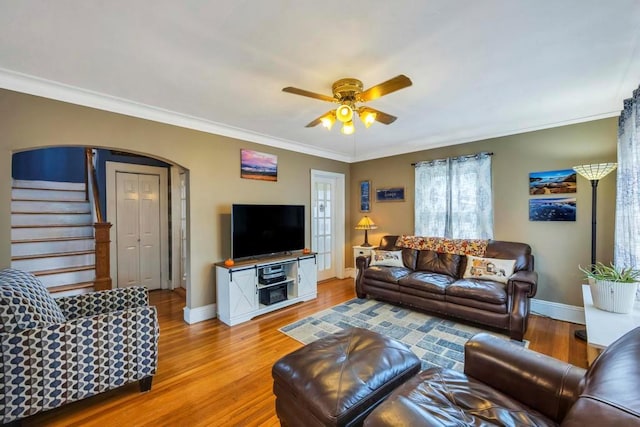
<point>103,264</point>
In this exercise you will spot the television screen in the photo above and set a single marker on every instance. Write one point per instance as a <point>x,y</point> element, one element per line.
<point>266,229</point>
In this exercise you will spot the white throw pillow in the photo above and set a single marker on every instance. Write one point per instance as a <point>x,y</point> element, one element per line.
<point>387,258</point>
<point>495,269</point>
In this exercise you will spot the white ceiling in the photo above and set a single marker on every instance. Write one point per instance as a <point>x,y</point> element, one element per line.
<point>480,68</point>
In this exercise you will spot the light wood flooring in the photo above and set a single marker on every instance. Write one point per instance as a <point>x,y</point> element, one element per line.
<point>210,374</point>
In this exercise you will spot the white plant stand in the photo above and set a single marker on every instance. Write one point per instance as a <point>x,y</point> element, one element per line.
<point>604,327</point>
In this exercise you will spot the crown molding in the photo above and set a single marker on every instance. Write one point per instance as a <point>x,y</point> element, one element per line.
<point>420,145</point>
<point>32,85</point>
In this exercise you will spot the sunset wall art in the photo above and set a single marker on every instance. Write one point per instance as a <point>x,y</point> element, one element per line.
<point>257,165</point>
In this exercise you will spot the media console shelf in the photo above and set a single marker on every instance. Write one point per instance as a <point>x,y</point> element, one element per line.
<point>251,288</point>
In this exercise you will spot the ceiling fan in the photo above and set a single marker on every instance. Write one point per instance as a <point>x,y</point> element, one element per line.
<point>348,92</point>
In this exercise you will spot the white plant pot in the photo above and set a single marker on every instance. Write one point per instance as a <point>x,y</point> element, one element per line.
<point>616,297</point>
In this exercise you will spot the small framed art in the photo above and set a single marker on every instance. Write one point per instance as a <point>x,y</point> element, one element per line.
<point>391,194</point>
<point>365,196</point>
<point>257,165</point>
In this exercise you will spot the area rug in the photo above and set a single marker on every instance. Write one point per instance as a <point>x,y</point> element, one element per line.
<point>438,342</point>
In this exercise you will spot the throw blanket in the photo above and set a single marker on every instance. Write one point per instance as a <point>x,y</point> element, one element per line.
<point>475,247</point>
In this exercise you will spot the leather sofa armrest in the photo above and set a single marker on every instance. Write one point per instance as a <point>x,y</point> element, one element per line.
<point>529,278</point>
<point>362,263</point>
<point>543,383</point>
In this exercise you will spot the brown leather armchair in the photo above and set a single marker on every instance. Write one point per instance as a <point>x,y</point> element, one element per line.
<point>504,384</point>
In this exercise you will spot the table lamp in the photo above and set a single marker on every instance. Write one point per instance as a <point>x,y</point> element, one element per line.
<point>366,224</point>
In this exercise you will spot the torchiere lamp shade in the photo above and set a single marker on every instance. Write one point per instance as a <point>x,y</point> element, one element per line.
<point>596,171</point>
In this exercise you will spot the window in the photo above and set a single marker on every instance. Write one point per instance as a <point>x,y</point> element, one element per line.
<point>453,197</point>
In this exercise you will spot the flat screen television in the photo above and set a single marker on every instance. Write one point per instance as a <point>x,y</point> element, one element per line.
<point>260,230</point>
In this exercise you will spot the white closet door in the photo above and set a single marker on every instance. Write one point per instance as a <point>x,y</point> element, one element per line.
<point>138,230</point>
<point>149,218</point>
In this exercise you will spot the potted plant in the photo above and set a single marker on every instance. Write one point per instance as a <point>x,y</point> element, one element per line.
<point>612,288</point>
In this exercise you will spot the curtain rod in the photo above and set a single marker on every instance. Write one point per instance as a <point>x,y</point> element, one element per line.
<point>468,156</point>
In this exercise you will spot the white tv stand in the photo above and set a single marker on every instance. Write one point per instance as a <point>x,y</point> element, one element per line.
<point>258,286</point>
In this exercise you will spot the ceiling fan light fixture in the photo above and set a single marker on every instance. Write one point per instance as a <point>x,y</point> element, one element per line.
<point>328,121</point>
<point>348,93</point>
<point>348,128</point>
<point>344,113</point>
<point>368,117</point>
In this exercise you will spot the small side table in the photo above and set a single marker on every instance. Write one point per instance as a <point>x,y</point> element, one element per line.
<point>604,327</point>
<point>361,251</point>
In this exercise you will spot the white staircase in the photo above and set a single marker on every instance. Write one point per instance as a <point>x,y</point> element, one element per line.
<point>52,235</point>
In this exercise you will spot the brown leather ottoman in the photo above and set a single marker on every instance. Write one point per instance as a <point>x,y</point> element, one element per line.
<point>339,379</point>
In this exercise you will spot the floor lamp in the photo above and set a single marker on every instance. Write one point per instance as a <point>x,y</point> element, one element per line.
<point>593,173</point>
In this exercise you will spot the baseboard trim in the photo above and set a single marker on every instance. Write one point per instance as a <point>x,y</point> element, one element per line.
<point>350,272</point>
<point>198,314</point>
<point>558,311</point>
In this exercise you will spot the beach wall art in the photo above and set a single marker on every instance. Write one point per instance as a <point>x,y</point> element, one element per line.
<point>553,182</point>
<point>257,165</point>
<point>552,209</point>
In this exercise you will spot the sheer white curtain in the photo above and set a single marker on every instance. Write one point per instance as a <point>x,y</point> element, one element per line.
<point>431,198</point>
<point>453,197</point>
<point>627,237</point>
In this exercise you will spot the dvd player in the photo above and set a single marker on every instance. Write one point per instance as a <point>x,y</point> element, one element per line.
<point>273,279</point>
<point>273,269</point>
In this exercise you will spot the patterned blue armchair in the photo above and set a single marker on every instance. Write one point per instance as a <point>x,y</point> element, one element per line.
<point>57,351</point>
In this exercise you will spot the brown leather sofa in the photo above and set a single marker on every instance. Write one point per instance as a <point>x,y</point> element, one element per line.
<point>434,282</point>
<point>504,384</point>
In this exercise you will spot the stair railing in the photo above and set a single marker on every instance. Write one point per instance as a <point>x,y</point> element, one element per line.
<point>100,227</point>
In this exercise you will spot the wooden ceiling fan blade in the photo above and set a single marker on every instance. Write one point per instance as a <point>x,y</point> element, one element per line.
<point>385,88</point>
<point>302,92</point>
<point>381,117</point>
<point>317,121</point>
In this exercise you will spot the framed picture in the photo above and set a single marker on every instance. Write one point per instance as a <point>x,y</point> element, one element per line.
<point>365,196</point>
<point>553,182</point>
<point>257,165</point>
<point>552,209</point>
<point>392,194</point>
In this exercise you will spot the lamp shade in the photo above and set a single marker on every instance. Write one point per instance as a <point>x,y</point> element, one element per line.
<point>328,120</point>
<point>367,116</point>
<point>344,113</point>
<point>348,128</point>
<point>366,224</point>
<point>596,171</point>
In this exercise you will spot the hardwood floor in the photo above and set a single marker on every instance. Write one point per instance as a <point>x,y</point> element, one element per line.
<point>210,374</point>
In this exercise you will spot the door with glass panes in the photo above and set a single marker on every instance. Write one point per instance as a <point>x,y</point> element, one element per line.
<point>323,225</point>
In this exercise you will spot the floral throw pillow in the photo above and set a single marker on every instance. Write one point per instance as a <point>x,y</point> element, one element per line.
<point>495,269</point>
<point>387,258</point>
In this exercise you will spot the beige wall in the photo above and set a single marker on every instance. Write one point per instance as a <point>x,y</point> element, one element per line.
<point>213,163</point>
<point>559,247</point>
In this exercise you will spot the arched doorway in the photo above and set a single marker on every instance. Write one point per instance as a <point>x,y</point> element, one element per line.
<point>172,217</point>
